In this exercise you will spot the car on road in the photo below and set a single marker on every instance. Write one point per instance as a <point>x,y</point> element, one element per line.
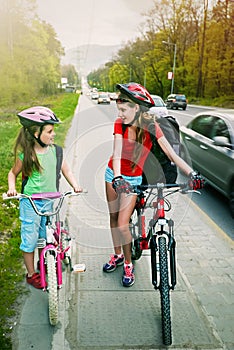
<point>209,140</point>
<point>103,98</point>
<point>176,101</point>
<point>94,95</point>
<point>160,108</point>
<point>113,96</point>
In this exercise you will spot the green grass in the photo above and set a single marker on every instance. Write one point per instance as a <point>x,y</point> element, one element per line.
<point>12,273</point>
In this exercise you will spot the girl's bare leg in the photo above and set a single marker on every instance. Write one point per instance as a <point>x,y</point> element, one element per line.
<point>127,204</point>
<point>113,205</point>
<point>120,210</point>
<point>29,263</point>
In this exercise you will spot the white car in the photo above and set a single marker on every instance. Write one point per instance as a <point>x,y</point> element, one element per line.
<point>94,95</point>
<point>160,109</point>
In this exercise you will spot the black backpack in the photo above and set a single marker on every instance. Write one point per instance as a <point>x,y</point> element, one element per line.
<point>158,167</point>
<point>59,156</point>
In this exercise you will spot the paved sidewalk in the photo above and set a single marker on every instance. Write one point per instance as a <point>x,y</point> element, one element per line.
<point>101,314</point>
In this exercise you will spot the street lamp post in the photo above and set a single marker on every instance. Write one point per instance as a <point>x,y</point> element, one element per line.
<point>174,63</point>
<point>144,76</point>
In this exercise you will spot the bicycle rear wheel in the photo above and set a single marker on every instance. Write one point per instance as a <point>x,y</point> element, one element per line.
<point>164,292</point>
<point>135,229</point>
<point>52,288</point>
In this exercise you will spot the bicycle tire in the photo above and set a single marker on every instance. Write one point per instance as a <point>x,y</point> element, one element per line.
<point>135,229</point>
<point>65,238</point>
<point>164,292</point>
<point>52,288</point>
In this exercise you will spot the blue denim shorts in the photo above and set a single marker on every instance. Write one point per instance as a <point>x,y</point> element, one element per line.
<point>133,180</point>
<point>33,226</point>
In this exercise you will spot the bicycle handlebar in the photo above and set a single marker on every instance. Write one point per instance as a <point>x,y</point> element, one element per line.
<point>45,195</point>
<point>184,187</point>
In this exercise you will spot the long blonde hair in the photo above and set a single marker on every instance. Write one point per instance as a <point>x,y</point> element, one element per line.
<point>141,123</point>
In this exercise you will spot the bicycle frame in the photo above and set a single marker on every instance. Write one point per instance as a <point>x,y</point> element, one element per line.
<point>53,234</point>
<point>161,243</point>
<point>53,250</point>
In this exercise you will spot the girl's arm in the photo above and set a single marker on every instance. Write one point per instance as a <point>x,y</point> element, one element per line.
<point>169,151</point>
<point>69,176</point>
<point>117,151</point>
<point>12,175</point>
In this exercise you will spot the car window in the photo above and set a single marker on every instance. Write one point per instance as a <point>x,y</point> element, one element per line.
<point>158,102</point>
<point>221,129</point>
<point>181,98</point>
<point>203,125</point>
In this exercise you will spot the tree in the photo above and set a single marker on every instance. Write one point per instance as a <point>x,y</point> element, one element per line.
<point>30,53</point>
<point>69,72</point>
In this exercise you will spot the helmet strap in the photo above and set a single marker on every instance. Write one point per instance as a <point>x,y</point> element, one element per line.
<point>42,144</point>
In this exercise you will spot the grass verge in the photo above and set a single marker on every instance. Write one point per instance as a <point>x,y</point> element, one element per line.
<point>11,264</point>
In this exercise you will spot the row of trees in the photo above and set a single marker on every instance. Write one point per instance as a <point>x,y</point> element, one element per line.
<point>203,36</point>
<point>30,54</point>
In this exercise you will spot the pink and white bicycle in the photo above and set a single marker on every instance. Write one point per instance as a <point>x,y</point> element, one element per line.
<point>55,249</point>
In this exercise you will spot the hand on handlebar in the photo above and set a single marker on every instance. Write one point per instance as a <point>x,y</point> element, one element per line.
<point>12,192</point>
<point>77,189</point>
<point>121,186</point>
<point>196,181</point>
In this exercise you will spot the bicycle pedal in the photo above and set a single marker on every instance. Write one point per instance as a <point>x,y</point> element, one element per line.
<point>79,268</point>
<point>144,244</point>
<point>41,243</point>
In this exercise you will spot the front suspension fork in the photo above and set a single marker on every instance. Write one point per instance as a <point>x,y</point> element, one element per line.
<point>172,257</point>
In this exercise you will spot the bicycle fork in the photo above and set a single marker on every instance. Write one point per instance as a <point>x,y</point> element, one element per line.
<point>154,255</point>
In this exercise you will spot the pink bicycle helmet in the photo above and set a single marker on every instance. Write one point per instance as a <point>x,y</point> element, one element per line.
<point>37,115</point>
<point>137,93</point>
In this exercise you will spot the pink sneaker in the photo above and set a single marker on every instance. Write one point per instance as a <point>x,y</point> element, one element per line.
<point>128,278</point>
<point>114,262</point>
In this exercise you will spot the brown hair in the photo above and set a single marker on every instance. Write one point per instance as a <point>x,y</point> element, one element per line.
<point>25,143</point>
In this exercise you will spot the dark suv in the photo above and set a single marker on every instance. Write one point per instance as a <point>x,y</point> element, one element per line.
<point>176,101</point>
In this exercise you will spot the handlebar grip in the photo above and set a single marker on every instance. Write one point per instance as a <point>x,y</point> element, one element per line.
<point>5,196</point>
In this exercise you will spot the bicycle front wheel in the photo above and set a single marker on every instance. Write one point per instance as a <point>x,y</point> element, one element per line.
<point>52,288</point>
<point>164,292</point>
<point>135,229</point>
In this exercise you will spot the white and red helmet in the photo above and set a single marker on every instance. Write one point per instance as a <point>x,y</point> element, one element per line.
<point>137,93</point>
<point>37,115</point>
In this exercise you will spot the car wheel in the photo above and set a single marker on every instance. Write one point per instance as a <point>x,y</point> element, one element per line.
<point>231,201</point>
<point>184,108</point>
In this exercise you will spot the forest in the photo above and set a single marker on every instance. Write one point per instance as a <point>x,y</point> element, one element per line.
<point>30,54</point>
<point>192,39</point>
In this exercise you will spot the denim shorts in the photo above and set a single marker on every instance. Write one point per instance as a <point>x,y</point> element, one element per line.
<point>33,226</point>
<point>133,180</point>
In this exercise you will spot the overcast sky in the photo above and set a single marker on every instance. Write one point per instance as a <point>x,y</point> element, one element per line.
<point>106,22</point>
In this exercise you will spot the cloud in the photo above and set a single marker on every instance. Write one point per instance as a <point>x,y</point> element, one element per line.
<point>108,22</point>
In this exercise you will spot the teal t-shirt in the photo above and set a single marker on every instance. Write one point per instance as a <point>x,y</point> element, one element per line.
<point>46,180</point>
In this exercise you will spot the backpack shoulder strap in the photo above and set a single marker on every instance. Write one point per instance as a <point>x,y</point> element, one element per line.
<point>152,131</point>
<point>59,157</point>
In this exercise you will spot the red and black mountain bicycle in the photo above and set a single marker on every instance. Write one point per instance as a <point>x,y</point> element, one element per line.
<point>157,234</point>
